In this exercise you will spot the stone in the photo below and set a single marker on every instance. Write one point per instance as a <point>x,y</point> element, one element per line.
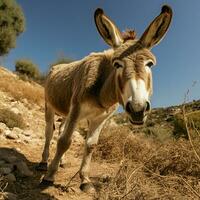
<point>24,101</point>
<point>77,137</point>
<point>17,131</point>
<point>15,110</point>
<point>23,169</point>
<point>2,162</point>
<point>10,178</point>
<point>10,159</point>
<point>11,135</point>
<point>9,165</point>
<point>113,123</point>
<point>26,141</point>
<point>28,133</point>
<point>5,170</point>
<point>3,126</point>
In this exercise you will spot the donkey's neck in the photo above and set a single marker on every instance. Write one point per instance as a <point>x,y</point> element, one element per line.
<point>108,94</point>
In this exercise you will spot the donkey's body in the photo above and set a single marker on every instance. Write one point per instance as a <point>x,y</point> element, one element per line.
<point>85,79</point>
<point>93,87</point>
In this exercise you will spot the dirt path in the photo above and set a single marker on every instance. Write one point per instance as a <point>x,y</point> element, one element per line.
<point>27,188</point>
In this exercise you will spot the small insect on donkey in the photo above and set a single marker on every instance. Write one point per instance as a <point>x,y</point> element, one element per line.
<point>93,87</point>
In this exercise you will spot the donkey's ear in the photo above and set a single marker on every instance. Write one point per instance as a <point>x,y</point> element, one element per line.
<point>158,27</point>
<point>107,29</point>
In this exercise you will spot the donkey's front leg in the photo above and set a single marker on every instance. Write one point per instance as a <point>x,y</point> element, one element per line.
<point>95,128</point>
<point>63,144</point>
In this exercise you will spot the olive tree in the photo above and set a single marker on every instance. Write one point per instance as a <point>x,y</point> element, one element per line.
<point>28,68</point>
<point>12,24</point>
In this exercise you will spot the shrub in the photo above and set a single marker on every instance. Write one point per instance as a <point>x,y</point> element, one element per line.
<point>12,24</point>
<point>195,117</point>
<point>11,119</point>
<point>27,68</point>
<point>179,124</point>
<point>19,89</point>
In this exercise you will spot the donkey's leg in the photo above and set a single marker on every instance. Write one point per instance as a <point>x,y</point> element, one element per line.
<point>49,118</point>
<point>63,144</point>
<point>61,129</point>
<point>92,138</point>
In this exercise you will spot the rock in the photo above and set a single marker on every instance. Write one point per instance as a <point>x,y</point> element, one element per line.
<point>11,135</point>
<point>15,110</point>
<point>23,169</point>
<point>2,162</point>
<point>77,138</point>
<point>10,178</point>
<point>28,133</point>
<point>17,131</point>
<point>64,164</point>
<point>24,101</point>
<point>18,141</point>
<point>10,159</point>
<point>17,149</point>
<point>9,165</point>
<point>26,141</point>
<point>5,170</point>
<point>113,123</point>
<point>3,126</point>
<point>9,196</point>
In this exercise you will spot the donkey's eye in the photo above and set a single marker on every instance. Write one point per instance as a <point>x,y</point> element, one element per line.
<point>149,64</point>
<point>117,64</point>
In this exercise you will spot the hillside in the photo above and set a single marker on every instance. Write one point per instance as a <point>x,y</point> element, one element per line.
<point>155,161</point>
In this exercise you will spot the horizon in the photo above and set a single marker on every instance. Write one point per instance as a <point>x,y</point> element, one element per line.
<point>55,29</point>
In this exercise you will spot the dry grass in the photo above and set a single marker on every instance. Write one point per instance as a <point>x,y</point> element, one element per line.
<point>20,89</point>
<point>148,168</point>
<point>11,119</point>
<point>118,143</point>
<point>3,186</point>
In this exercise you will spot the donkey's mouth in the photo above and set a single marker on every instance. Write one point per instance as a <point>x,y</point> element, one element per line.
<point>136,122</point>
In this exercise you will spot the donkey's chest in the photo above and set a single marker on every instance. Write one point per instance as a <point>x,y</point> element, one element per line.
<point>90,111</point>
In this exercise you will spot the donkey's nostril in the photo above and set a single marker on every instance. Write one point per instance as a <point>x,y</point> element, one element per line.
<point>148,106</point>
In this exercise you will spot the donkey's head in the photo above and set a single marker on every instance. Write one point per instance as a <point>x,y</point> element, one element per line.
<point>133,61</point>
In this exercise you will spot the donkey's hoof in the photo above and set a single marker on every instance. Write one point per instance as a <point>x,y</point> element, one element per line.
<point>42,166</point>
<point>88,188</point>
<point>45,183</point>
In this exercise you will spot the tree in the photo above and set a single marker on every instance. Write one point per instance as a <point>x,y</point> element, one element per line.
<point>12,24</point>
<point>28,68</point>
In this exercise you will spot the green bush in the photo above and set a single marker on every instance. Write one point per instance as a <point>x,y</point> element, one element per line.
<point>12,24</point>
<point>11,119</point>
<point>27,68</point>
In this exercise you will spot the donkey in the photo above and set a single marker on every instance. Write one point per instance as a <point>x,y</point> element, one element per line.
<point>92,88</point>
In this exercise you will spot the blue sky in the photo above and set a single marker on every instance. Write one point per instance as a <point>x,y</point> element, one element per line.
<point>67,28</point>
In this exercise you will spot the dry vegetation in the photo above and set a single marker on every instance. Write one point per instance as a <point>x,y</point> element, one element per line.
<point>149,169</point>
<point>20,89</point>
<point>11,119</point>
<point>147,162</point>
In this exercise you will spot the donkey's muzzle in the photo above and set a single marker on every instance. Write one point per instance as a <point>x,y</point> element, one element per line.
<point>137,117</point>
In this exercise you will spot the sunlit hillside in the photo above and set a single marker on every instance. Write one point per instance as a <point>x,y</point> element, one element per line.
<point>160,160</point>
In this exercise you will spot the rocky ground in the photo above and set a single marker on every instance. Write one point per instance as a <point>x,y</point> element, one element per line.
<point>129,163</point>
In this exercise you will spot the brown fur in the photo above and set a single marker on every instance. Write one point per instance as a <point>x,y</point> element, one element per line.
<point>94,77</point>
<point>91,88</point>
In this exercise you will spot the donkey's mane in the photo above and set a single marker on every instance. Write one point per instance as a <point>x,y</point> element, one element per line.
<point>129,35</point>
